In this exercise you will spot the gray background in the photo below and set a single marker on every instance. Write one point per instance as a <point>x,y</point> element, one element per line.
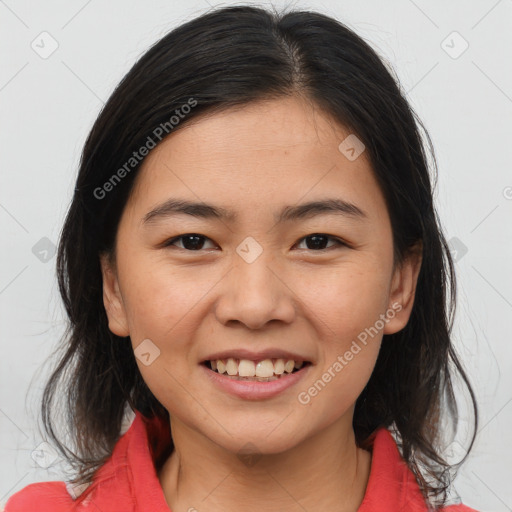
<point>464,96</point>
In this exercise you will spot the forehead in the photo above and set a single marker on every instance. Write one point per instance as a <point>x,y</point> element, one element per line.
<point>288,124</point>
<point>274,151</point>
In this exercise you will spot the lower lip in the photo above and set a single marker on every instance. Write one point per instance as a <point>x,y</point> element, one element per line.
<point>254,390</point>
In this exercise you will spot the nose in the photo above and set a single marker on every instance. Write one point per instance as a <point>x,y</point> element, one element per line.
<point>255,294</point>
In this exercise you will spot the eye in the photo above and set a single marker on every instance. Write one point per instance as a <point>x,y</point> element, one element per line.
<point>190,241</point>
<point>318,241</point>
<point>195,242</point>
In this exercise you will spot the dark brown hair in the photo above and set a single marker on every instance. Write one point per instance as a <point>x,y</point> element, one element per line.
<point>225,58</point>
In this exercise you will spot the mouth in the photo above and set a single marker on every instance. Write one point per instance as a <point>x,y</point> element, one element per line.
<point>265,370</point>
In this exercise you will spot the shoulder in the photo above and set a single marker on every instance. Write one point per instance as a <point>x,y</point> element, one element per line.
<point>57,496</point>
<point>392,485</point>
<point>127,478</point>
<point>46,496</point>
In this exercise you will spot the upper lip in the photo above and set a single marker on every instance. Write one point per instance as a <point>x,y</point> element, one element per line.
<point>270,353</point>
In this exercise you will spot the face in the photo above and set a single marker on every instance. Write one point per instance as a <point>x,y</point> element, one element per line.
<point>303,283</point>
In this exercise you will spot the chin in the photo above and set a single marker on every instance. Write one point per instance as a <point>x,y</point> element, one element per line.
<point>248,438</point>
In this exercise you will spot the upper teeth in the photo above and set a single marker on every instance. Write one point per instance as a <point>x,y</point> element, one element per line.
<point>248,368</point>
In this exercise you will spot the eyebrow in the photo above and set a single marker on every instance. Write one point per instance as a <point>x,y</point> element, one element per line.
<point>174,207</point>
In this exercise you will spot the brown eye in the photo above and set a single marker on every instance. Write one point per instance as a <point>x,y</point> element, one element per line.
<point>318,241</point>
<point>190,241</point>
<point>196,242</point>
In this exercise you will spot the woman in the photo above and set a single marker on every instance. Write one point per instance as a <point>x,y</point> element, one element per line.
<point>256,283</point>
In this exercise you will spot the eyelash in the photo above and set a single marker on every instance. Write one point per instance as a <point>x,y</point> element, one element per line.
<point>170,242</point>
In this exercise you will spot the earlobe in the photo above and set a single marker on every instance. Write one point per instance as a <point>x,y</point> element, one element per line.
<point>112,299</point>
<point>403,289</point>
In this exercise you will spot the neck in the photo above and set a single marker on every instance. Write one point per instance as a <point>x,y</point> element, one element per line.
<point>324,472</point>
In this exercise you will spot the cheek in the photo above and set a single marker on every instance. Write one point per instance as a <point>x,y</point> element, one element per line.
<point>345,301</point>
<point>160,300</point>
<point>166,306</point>
<point>162,307</point>
<point>347,310</point>
<point>335,388</point>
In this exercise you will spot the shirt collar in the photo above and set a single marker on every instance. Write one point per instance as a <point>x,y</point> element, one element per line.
<point>391,485</point>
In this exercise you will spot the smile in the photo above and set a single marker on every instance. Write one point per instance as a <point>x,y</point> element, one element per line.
<point>255,380</point>
<point>263,371</point>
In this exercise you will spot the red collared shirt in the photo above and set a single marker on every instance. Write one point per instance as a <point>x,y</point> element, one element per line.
<point>128,481</point>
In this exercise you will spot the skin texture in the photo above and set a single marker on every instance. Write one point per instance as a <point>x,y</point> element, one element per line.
<point>294,296</point>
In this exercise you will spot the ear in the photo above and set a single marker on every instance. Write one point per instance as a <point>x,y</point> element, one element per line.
<point>112,299</point>
<point>403,289</point>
